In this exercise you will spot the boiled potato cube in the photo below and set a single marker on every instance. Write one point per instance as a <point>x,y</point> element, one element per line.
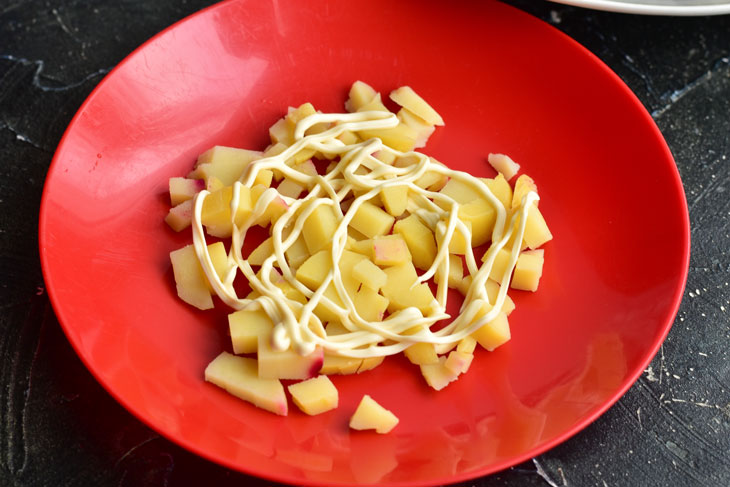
<point>180,217</point>
<point>314,270</point>
<point>504,165</point>
<point>399,293</point>
<point>401,137</point>
<point>458,243</point>
<point>499,266</point>
<point>395,199</point>
<point>370,363</point>
<point>432,181</point>
<point>437,375</point>
<point>314,396</point>
<point>458,362</point>
<point>216,211</point>
<point>219,259</point>
<point>390,250</point>
<point>523,185</point>
<point>410,100</point>
<point>528,270</point>
<point>481,216</point>
<point>492,290</point>
<point>421,354</point>
<point>360,94</point>
<point>364,247</point>
<point>536,230</point>
<point>494,333</point>
<point>456,272</point>
<point>371,221</point>
<point>370,275</point>
<point>281,132</point>
<point>371,415</point>
<point>295,115</point>
<point>264,250</point>
<point>376,104</point>
<point>246,326</point>
<point>319,228</point>
<point>225,163</point>
<point>190,280</point>
<point>334,364</point>
<point>467,345</point>
<point>238,376</point>
<point>385,156</point>
<point>422,128</point>
<point>286,364</point>
<point>459,191</point>
<point>289,187</point>
<point>297,253</point>
<point>501,189</point>
<point>419,239</point>
<point>369,304</point>
<point>183,189</point>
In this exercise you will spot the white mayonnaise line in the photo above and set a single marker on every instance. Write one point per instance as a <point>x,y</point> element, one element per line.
<point>294,320</point>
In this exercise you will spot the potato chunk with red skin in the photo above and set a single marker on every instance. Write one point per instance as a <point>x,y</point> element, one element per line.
<point>371,415</point>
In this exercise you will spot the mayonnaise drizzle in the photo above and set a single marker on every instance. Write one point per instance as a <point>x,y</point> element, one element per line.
<point>296,323</point>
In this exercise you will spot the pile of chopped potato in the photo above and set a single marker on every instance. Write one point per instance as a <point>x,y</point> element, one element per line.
<point>359,224</point>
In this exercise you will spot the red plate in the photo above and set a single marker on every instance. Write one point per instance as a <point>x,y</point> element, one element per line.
<point>504,82</point>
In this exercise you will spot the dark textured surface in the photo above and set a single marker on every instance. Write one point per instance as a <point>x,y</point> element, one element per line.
<point>58,427</point>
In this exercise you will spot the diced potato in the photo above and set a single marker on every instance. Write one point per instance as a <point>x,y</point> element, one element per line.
<point>456,272</point>
<point>437,375</point>
<point>348,138</point>
<point>264,178</point>
<point>395,199</point>
<point>289,187</point>
<point>501,189</point>
<point>481,216</point>
<point>390,250</point>
<point>364,247</point>
<point>282,132</point>
<point>314,396</point>
<point>421,354</point>
<point>458,362</point>
<point>458,191</point>
<point>419,239</point>
<point>422,128</point>
<point>528,270</point>
<point>370,275</point>
<point>190,280</point>
<point>371,221</point>
<point>376,104</point>
<point>523,185</point>
<point>494,333</point>
<point>264,250</point>
<point>536,230</point>
<point>183,189</point>
<point>504,165</point>
<point>225,163</point>
<point>290,292</point>
<point>239,377</point>
<point>399,293</point>
<point>492,290</point>
<point>385,156</point>
<point>499,266</point>
<point>464,285</point>
<point>371,415</point>
<point>360,94</point>
<point>246,326</point>
<point>319,228</point>
<point>458,243</point>
<point>369,304</point>
<point>431,180</point>
<point>216,211</point>
<point>409,99</point>
<point>219,259</point>
<point>297,253</point>
<point>467,345</point>
<point>313,271</point>
<point>370,363</point>
<point>286,364</point>
<point>334,364</point>
<point>401,137</point>
<point>180,217</point>
<point>295,115</point>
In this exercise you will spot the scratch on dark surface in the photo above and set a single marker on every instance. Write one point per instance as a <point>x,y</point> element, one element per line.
<point>704,192</point>
<point>38,75</point>
<point>674,96</point>
<point>23,138</point>
<point>542,473</point>
<point>135,447</point>
<point>63,25</point>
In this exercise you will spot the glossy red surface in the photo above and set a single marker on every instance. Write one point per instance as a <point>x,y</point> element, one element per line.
<point>504,82</point>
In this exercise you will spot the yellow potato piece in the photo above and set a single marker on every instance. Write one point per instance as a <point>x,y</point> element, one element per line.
<point>315,396</point>
<point>528,270</point>
<point>371,415</point>
<point>409,99</point>
<point>246,326</point>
